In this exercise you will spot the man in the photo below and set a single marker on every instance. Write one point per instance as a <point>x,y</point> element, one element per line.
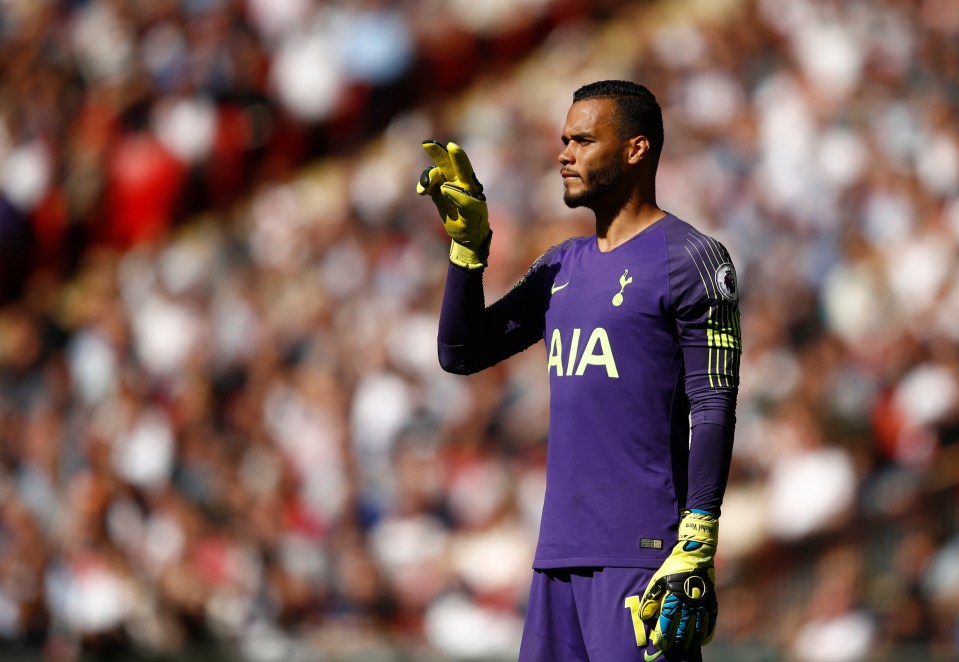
<point>642,327</point>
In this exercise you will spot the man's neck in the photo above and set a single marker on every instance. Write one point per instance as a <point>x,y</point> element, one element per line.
<point>616,229</point>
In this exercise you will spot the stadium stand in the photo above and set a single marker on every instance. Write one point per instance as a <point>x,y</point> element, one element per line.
<point>223,430</point>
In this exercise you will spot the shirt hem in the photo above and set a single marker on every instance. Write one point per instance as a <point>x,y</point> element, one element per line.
<point>598,562</point>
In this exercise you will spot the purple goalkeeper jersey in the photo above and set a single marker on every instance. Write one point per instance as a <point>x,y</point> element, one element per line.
<point>643,347</point>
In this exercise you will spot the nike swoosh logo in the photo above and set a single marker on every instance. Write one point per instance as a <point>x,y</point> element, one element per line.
<point>556,288</point>
<point>655,656</point>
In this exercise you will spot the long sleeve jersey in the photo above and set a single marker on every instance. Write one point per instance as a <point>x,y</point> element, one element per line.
<point>643,346</point>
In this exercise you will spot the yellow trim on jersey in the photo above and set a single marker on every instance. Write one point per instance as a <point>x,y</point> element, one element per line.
<point>723,332</point>
<point>724,344</point>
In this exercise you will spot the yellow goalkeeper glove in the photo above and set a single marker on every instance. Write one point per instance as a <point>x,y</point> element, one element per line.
<point>458,197</point>
<point>681,595</point>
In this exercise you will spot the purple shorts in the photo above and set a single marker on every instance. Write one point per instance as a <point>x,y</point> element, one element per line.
<point>590,615</point>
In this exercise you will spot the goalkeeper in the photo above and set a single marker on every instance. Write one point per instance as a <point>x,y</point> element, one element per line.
<point>641,326</point>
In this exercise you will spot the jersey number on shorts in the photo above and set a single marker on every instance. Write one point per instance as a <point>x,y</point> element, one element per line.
<point>632,603</point>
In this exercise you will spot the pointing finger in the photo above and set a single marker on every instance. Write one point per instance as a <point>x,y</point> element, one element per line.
<point>463,169</point>
<point>441,158</point>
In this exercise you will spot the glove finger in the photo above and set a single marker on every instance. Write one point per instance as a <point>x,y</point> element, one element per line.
<point>441,158</point>
<point>652,601</point>
<point>430,181</point>
<point>685,628</point>
<point>447,210</point>
<point>701,623</point>
<point>650,609</point>
<point>706,626</point>
<point>463,170</point>
<point>664,633</point>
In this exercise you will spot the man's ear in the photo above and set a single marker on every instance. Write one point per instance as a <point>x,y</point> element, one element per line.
<point>637,149</point>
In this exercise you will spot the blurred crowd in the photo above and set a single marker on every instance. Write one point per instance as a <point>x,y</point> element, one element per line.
<point>222,421</point>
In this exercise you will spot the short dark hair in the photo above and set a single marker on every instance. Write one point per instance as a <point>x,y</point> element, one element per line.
<point>638,111</point>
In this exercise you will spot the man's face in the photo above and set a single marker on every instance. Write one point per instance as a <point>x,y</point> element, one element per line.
<point>593,157</point>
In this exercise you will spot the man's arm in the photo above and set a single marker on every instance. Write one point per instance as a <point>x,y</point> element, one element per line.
<point>707,310</point>
<point>681,596</point>
<point>473,337</point>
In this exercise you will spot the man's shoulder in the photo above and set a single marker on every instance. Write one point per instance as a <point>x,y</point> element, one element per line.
<point>678,230</point>
<point>684,238</point>
<point>698,258</point>
<point>576,243</point>
<point>557,251</point>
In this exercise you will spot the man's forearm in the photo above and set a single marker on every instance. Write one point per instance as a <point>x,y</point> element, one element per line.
<point>461,316</point>
<point>710,451</point>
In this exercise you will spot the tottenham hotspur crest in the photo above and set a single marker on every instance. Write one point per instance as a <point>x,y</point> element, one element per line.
<point>726,282</point>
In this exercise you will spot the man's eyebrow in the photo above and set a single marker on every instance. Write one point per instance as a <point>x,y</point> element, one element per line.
<point>576,136</point>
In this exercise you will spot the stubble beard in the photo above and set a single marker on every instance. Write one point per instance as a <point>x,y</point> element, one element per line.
<point>601,181</point>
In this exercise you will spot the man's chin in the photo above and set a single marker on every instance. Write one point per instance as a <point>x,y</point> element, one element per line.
<point>573,201</point>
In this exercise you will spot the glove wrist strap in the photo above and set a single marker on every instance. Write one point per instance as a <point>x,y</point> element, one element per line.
<point>462,256</point>
<point>699,527</point>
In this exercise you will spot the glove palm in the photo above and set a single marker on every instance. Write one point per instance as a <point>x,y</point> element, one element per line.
<point>681,595</point>
<point>458,196</point>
